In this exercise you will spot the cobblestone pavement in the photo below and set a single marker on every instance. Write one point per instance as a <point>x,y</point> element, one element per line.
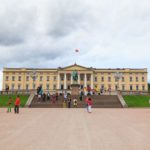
<point>75,129</point>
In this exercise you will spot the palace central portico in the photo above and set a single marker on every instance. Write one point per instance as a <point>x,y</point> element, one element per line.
<point>60,78</point>
<point>65,80</point>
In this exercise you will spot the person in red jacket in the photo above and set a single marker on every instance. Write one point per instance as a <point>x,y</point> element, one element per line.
<point>17,104</point>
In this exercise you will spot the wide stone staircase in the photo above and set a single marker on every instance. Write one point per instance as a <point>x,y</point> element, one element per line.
<point>99,101</point>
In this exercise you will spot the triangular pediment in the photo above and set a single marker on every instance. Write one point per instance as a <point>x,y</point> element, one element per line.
<point>75,67</point>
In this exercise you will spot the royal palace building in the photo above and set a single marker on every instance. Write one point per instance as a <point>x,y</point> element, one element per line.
<point>125,79</point>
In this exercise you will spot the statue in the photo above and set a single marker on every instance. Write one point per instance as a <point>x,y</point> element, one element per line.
<point>75,76</point>
<point>75,86</point>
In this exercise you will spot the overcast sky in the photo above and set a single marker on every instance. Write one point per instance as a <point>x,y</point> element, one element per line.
<point>45,33</point>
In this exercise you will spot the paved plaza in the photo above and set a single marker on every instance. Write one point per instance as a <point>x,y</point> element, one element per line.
<point>75,129</point>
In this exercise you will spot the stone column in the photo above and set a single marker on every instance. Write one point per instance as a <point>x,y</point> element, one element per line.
<point>58,81</point>
<point>78,78</point>
<point>65,81</point>
<point>85,80</point>
<point>91,81</point>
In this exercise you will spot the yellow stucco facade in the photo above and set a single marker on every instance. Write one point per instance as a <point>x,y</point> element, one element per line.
<point>60,78</point>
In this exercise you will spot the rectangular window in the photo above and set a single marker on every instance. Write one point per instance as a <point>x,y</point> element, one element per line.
<point>27,86</point>
<point>143,80</point>
<point>68,87</point>
<point>41,78</point>
<point>12,87</point>
<point>19,87</point>
<point>130,79</point>
<point>116,87</point>
<point>6,85</point>
<point>54,78</point>
<point>123,79</point>
<point>27,78</point>
<point>95,79</point>
<point>33,86</point>
<point>47,87</point>
<point>82,78</point>
<point>61,86</point>
<point>131,88</point>
<point>34,78</point>
<point>137,79</point>
<point>143,87</point>
<point>102,79</point>
<point>109,86</point>
<point>19,78</point>
<point>47,78</point>
<point>123,87</point>
<point>7,78</point>
<point>88,78</point>
<point>13,78</point>
<point>54,86</point>
<point>68,78</point>
<point>109,79</point>
<point>137,87</point>
<point>62,78</point>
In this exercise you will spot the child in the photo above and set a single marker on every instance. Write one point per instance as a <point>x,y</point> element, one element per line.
<point>9,104</point>
<point>75,103</point>
<point>64,104</point>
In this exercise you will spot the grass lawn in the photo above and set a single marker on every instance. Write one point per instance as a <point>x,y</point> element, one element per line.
<point>137,100</point>
<point>4,100</point>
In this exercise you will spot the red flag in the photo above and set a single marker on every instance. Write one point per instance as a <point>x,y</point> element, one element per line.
<point>77,50</point>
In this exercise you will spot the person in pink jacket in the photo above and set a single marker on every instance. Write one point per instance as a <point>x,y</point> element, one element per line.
<point>89,105</point>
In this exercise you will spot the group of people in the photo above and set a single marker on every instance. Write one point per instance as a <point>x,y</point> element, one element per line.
<point>103,90</point>
<point>46,97</point>
<point>68,102</point>
<point>16,104</point>
<point>95,91</point>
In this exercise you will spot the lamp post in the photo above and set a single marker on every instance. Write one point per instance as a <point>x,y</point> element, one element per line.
<point>33,75</point>
<point>118,76</point>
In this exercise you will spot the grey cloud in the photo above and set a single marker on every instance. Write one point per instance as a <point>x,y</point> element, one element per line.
<point>16,23</point>
<point>67,17</point>
<point>8,40</point>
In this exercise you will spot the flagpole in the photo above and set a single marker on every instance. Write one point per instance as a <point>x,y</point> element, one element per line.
<point>76,51</point>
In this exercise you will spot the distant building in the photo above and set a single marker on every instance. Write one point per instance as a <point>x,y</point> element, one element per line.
<point>60,78</point>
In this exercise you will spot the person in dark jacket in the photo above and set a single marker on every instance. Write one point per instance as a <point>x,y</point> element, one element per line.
<point>69,102</point>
